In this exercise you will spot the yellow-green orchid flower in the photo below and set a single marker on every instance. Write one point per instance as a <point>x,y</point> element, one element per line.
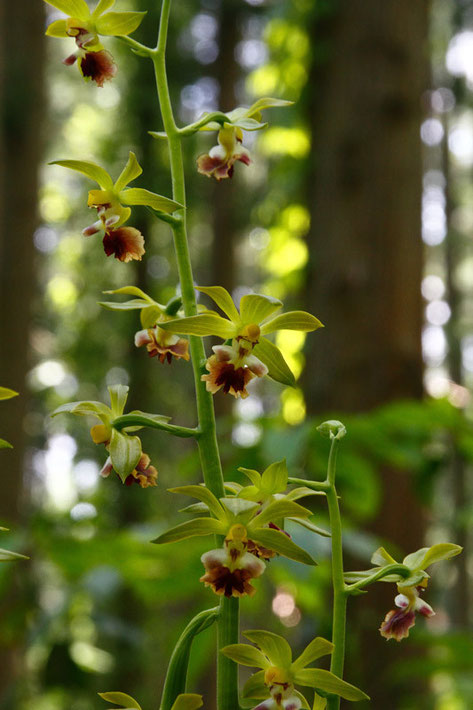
<point>219,162</point>
<point>125,243</point>
<point>126,457</point>
<point>411,580</point>
<point>84,26</point>
<point>275,682</point>
<point>251,537</point>
<point>159,343</point>
<point>250,353</point>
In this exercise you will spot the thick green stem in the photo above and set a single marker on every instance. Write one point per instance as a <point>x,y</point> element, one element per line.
<point>339,590</point>
<point>227,678</point>
<point>227,673</point>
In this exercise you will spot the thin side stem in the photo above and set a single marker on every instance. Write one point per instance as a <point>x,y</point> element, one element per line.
<point>339,590</point>
<point>127,420</point>
<point>227,678</point>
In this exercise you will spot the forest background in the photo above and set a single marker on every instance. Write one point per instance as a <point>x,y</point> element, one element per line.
<point>358,207</point>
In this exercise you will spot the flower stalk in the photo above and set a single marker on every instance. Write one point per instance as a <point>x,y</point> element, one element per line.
<point>228,621</point>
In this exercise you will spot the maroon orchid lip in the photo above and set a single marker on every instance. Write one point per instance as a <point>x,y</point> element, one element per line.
<point>397,623</point>
<point>225,582</point>
<point>98,66</point>
<point>125,243</point>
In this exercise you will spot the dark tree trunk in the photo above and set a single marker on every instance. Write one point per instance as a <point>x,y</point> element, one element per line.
<point>21,91</point>
<point>366,250</point>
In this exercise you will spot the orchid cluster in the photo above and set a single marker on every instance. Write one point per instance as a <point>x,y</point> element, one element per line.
<point>251,524</point>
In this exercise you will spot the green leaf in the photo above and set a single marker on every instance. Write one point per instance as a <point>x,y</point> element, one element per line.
<point>131,291</point>
<point>57,29</point>
<point>102,7</point>
<point>279,542</point>
<point>131,305</point>
<point>205,495</point>
<point>73,8</point>
<point>272,357</point>
<point>223,300</point>
<point>274,479</point>
<point>130,172</point>
<point>5,444</point>
<point>255,687</point>
<point>150,315</point>
<point>310,526</point>
<point>118,397</point>
<point>191,528</point>
<point>121,699</point>
<point>426,556</point>
<point>246,655</point>
<point>253,475</point>
<point>328,682</point>
<point>8,556</point>
<point>202,324</point>
<point>293,320</point>
<point>275,647</point>
<point>254,307</point>
<point>187,701</point>
<point>125,452</point>
<point>239,506</point>
<point>7,393</point>
<point>140,196</point>
<point>119,24</point>
<point>441,551</point>
<point>159,135</point>
<point>267,102</point>
<point>316,649</point>
<point>96,409</point>
<point>302,492</point>
<point>381,558</point>
<point>279,509</point>
<point>319,702</point>
<point>249,124</point>
<point>91,170</point>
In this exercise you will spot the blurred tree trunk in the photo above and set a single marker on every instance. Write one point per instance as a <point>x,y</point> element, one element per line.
<point>21,93</point>
<point>366,250</point>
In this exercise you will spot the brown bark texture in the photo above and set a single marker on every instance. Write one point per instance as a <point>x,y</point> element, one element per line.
<point>21,62</point>
<point>366,255</point>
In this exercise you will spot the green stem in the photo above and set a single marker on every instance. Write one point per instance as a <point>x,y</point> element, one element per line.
<point>227,686</point>
<point>396,568</point>
<point>127,420</point>
<point>339,590</point>
<point>176,676</point>
<point>227,673</point>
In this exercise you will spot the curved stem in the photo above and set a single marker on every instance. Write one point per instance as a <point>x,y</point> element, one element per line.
<point>339,589</point>
<point>176,675</point>
<point>127,420</point>
<point>227,687</point>
<point>396,568</point>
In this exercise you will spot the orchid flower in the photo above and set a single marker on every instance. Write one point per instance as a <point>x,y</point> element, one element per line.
<point>411,580</point>
<point>125,243</point>
<point>275,682</point>
<point>219,162</point>
<point>126,456</point>
<point>250,354</point>
<point>250,537</point>
<point>94,62</point>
